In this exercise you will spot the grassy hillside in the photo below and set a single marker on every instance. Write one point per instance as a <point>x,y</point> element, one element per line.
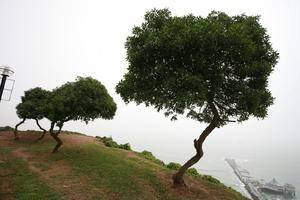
<point>87,169</point>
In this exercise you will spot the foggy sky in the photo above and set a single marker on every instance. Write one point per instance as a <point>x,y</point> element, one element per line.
<point>50,42</point>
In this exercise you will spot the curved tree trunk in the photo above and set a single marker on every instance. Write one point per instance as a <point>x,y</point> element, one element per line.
<point>44,130</point>
<point>178,177</point>
<point>55,136</point>
<point>16,129</point>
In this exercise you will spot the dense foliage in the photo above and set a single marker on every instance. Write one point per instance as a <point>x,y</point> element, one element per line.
<point>32,106</point>
<point>33,103</point>
<point>85,99</point>
<point>181,63</point>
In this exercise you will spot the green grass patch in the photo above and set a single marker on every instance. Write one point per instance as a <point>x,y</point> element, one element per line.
<point>116,175</point>
<point>42,147</point>
<point>26,185</point>
<point>111,171</point>
<point>42,166</point>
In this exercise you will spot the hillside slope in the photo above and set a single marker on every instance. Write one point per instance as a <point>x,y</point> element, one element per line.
<point>86,169</point>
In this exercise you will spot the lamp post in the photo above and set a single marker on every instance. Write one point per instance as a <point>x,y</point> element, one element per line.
<point>5,72</point>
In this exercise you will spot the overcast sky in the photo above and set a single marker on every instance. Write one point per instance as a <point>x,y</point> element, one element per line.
<point>50,42</point>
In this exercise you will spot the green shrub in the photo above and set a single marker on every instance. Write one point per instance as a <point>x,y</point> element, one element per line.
<point>6,128</point>
<point>210,179</point>
<point>109,142</point>
<point>193,172</point>
<point>125,146</point>
<point>177,166</point>
<point>173,166</point>
<point>148,155</point>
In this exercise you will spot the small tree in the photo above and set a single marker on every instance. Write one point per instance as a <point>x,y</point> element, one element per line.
<point>214,69</point>
<point>85,99</point>
<point>32,107</point>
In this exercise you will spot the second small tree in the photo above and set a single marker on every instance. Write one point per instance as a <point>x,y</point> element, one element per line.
<point>32,107</point>
<point>85,99</point>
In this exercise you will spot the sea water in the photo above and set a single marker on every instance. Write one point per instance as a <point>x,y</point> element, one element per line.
<point>265,161</point>
<point>283,170</point>
<point>281,164</point>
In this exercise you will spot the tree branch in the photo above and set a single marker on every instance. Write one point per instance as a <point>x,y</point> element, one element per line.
<point>59,125</point>
<point>37,122</point>
<point>214,123</point>
<point>228,120</point>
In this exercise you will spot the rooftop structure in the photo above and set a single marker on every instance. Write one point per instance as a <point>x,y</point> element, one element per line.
<point>256,188</point>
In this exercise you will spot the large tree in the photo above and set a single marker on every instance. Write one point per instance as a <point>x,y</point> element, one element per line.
<point>85,99</point>
<point>32,106</point>
<point>213,69</point>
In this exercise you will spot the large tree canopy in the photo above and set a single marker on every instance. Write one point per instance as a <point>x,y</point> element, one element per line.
<point>214,69</point>
<point>85,99</point>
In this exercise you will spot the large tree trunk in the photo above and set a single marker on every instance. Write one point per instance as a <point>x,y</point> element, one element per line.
<point>16,129</point>
<point>55,136</point>
<point>178,177</point>
<point>44,130</point>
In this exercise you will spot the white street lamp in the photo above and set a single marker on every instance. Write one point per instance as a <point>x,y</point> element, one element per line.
<point>5,71</point>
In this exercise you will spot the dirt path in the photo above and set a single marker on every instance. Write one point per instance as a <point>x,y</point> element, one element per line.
<point>56,173</point>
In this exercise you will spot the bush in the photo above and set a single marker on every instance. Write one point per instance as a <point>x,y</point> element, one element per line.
<point>210,179</point>
<point>125,146</point>
<point>173,166</point>
<point>109,142</point>
<point>176,166</point>
<point>193,172</point>
<point>6,128</point>
<point>148,155</point>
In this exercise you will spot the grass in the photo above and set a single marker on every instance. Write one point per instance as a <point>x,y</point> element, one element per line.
<point>96,171</point>
<point>42,166</point>
<point>26,184</point>
<point>94,162</point>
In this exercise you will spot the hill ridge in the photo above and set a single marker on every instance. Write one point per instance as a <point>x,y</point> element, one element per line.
<point>86,169</point>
